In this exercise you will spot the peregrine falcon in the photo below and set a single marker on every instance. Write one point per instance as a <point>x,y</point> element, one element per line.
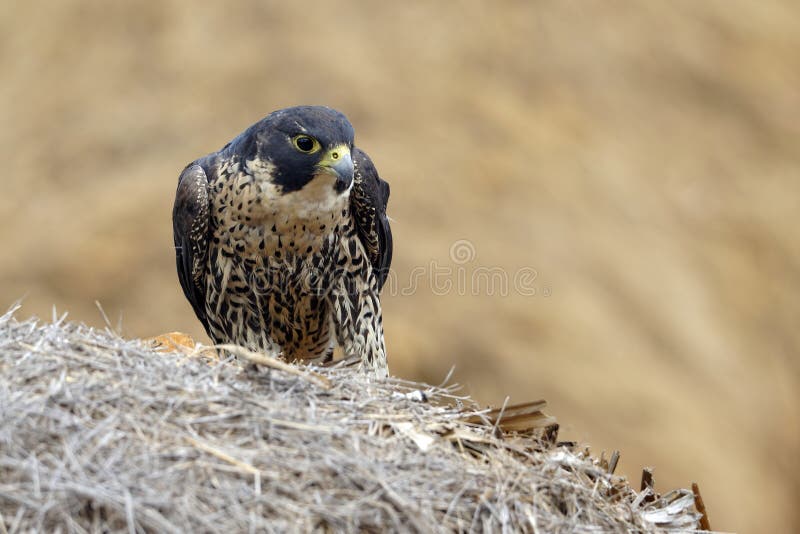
<point>282,240</point>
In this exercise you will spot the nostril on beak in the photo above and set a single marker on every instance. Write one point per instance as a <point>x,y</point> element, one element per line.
<point>335,155</point>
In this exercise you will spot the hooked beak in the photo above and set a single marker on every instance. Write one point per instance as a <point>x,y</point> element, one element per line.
<point>338,163</point>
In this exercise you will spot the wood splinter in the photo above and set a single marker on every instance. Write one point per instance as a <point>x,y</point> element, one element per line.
<point>701,507</point>
<point>648,483</point>
<point>612,462</point>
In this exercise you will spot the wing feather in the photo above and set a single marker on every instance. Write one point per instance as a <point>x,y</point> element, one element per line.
<point>368,201</point>
<point>190,224</point>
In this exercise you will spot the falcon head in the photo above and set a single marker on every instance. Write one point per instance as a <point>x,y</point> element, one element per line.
<point>296,146</point>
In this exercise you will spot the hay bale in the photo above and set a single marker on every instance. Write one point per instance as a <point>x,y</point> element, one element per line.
<point>103,433</point>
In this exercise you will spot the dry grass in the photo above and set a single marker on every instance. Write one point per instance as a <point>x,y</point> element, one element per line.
<point>98,433</point>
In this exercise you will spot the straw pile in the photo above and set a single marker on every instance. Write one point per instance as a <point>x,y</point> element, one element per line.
<point>99,433</point>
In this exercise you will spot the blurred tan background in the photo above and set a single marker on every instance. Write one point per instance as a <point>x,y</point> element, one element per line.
<point>642,157</point>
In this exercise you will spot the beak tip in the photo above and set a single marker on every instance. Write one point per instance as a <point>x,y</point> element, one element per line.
<point>342,183</point>
<point>344,173</point>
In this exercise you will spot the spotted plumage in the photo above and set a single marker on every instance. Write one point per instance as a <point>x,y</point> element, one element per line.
<point>282,240</point>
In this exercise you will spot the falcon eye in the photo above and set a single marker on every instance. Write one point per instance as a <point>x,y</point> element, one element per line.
<point>305,143</point>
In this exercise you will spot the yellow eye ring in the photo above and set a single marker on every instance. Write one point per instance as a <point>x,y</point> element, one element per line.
<point>305,144</point>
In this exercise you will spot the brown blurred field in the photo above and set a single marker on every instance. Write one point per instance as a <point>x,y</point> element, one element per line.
<point>642,158</point>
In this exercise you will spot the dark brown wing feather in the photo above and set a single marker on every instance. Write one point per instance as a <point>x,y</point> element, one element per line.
<point>368,201</point>
<point>190,221</point>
